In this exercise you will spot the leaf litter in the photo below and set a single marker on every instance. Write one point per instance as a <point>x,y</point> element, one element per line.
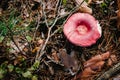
<point>43,41</point>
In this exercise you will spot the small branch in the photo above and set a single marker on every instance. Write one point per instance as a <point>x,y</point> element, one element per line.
<point>41,52</point>
<point>57,5</point>
<point>69,14</point>
<point>110,73</point>
<point>38,23</point>
<point>43,10</point>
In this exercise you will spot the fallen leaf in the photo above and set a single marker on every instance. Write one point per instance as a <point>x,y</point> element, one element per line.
<point>18,60</point>
<point>87,74</point>
<point>98,66</point>
<point>96,59</point>
<point>85,9</point>
<point>55,57</point>
<point>35,49</point>
<point>84,6</point>
<point>40,41</point>
<point>25,49</point>
<point>111,60</point>
<point>93,66</point>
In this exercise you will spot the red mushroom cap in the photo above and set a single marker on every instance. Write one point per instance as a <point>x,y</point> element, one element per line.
<point>82,29</point>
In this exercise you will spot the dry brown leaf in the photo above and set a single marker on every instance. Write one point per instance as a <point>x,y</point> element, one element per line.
<point>25,49</point>
<point>98,66</point>
<point>40,41</point>
<point>18,59</point>
<point>111,60</point>
<point>35,49</point>
<point>92,66</point>
<point>84,7</point>
<point>87,74</point>
<point>55,57</point>
<point>96,59</point>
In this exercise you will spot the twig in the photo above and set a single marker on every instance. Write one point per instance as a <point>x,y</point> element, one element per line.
<point>41,52</point>
<point>110,73</point>
<point>38,23</point>
<point>43,10</point>
<point>69,14</point>
<point>57,5</point>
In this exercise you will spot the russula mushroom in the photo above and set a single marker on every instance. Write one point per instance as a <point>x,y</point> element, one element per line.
<point>82,29</point>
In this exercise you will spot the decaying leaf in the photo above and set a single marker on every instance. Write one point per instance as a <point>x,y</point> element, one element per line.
<point>87,73</point>
<point>84,7</point>
<point>55,57</point>
<point>18,60</point>
<point>35,49</point>
<point>93,66</point>
<point>111,60</point>
<point>96,59</point>
<point>98,66</point>
<point>40,41</point>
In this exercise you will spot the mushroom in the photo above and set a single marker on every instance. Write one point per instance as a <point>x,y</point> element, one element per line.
<point>82,29</point>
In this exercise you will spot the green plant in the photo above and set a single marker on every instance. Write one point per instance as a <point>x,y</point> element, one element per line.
<point>10,22</point>
<point>3,69</point>
<point>64,2</point>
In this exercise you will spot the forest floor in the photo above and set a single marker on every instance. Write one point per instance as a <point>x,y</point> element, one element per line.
<point>34,47</point>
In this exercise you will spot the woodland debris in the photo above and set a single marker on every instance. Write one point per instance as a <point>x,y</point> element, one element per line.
<point>84,6</point>
<point>110,73</point>
<point>95,65</point>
